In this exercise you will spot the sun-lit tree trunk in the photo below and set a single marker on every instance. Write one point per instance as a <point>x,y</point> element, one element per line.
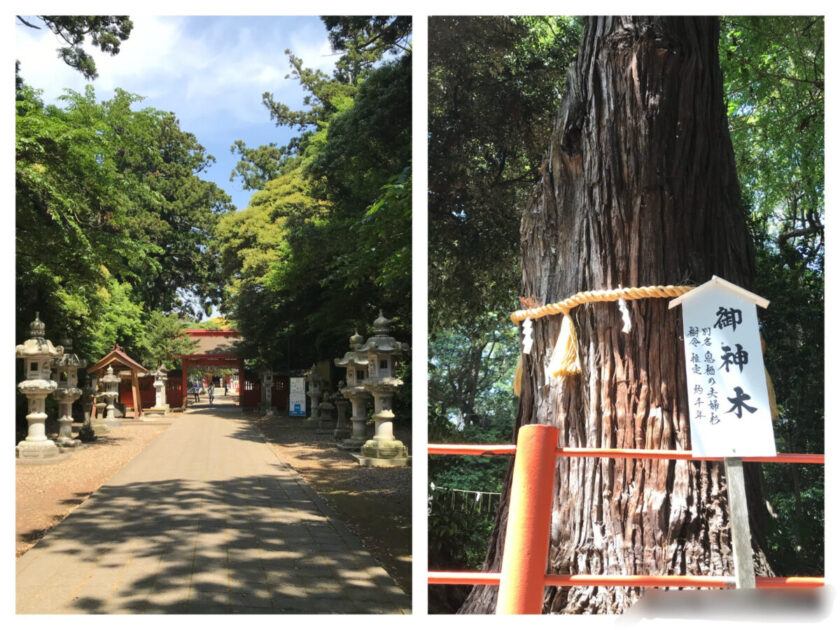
<point>639,189</point>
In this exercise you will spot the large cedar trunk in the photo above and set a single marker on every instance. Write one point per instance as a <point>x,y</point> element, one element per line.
<point>639,189</point>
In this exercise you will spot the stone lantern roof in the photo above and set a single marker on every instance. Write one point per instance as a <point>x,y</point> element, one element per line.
<point>355,357</point>
<point>110,378</point>
<point>37,328</point>
<point>37,345</point>
<point>381,341</point>
<point>69,358</point>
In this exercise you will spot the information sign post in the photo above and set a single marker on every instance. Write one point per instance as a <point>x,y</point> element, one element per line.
<point>297,396</point>
<point>729,406</point>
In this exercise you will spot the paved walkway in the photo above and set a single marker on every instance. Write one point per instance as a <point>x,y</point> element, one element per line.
<point>207,519</point>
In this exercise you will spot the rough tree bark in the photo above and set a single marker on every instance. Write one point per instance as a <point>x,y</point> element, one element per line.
<point>639,189</point>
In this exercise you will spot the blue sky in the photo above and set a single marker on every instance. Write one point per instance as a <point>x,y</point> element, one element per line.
<point>210,71</point>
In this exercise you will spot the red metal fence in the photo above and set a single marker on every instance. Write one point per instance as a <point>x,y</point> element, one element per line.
<point>522,578</point>
<point>249,392</point>
<point>174,393</point>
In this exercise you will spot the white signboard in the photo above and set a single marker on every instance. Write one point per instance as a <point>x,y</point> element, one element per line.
<point>727,391</point>
<point>297,396</point>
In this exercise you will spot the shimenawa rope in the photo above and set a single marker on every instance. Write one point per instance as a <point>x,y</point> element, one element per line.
<point>564,358</point>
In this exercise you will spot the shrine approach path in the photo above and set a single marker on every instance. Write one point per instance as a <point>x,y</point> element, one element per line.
<point>207,519</point>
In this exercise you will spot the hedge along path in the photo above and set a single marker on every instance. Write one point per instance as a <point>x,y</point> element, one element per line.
<point>564,358</point>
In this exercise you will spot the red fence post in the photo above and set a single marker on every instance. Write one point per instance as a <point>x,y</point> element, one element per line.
<point>522,580</point>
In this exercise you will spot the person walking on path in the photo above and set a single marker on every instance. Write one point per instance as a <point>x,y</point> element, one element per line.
<point>210,392</point>
<point>196,390</point>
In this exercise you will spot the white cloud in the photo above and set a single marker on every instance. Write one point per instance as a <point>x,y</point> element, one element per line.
<point>212,72</point>
<point>220,65</point>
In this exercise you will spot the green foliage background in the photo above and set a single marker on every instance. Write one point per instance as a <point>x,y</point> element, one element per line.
<point>113,223</point>
<point>121,240</point>
<point>325,241</point>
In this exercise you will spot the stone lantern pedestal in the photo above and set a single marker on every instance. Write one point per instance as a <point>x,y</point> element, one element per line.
<point>111,383</point>
<point>38,354</point>
<point>355,363</point>
<point>98,424</point>
<point>342,429</point>
<point>326,422</point>
<point>65,399</point>
<point>384,449</point>
<point>161,407</point>
<point>357,396</point>
<point>66,368</point>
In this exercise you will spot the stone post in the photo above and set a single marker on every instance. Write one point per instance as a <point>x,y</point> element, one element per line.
<point>342,429</point>
<point>111,383</point>
<point>37,354</point>
<point>66,369</point>
<point>267,377</point>
<point>314,393</point>
<point>384,449</point>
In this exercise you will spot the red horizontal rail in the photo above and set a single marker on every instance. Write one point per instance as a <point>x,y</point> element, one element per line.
<point>617,453</point>
<point>649,581</point>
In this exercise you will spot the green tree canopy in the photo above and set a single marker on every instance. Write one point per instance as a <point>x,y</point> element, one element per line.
<point>493,93</point>
<point>105,32</point>
<point>113,219</point>
<point>774,71</point>
<point>325,241</point>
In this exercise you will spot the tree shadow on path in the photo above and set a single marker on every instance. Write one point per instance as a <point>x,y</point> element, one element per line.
<point>255,544</point>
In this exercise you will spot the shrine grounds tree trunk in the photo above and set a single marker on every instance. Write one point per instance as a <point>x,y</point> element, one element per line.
<point>639,188</point>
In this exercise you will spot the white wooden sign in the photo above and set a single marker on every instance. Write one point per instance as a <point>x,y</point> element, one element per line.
<point>297,396</point>
<point>727,389</point>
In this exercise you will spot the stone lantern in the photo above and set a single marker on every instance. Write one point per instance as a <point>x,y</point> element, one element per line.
<point>66,369</point>
<point>111,385</point>
<point>37,354</point>
<point>314,393</point>
<point>342,429</point>
<point>384,449</point>
<point>355,363</point>
<point>161,407</point>
<point>326,424</point>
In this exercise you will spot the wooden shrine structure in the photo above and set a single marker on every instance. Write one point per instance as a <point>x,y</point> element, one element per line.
<point>125,367</point>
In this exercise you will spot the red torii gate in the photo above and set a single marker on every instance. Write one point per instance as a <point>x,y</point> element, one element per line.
<point>216,348</point>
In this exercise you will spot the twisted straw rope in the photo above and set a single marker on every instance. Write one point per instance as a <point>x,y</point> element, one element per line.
<point>606,295</point>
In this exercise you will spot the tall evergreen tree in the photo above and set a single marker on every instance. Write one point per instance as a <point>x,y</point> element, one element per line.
<point>639,189</point>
